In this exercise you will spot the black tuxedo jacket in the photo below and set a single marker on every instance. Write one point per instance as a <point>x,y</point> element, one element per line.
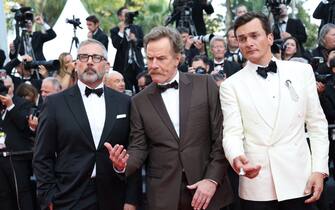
<point>296,29</point>
<point>37,41</point>
<point>101,37</point>
<point>65,152</point>
<point>122,49</point>
<point>15,125</point>
<point>229,67</point>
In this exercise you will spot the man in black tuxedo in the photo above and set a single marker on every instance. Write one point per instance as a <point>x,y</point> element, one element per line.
<point>70,163</point>
<point>34,40</point>
<point>94,31</point>
<point>127,38</point>
<point>15,139</point>
<point>289,27</point>
<point>219,64</point>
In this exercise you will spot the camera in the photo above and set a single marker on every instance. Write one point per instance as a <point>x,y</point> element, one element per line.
<point>23,15</point>
<point>34,111</point>
<point>204,38</point>
<point>326,79</point>
<point>274,6</point>
<point>52,64</point>
<point>200,70</point>
<point>74,21</point>
<point>130,17</point>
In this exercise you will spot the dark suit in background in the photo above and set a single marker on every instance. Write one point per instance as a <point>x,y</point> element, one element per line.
<point>15,126</point>
<point>101,37</point>
<point>229,67</point>
<point>64,130</point>
<point>37,41</point>
<point>129,67</point>
<point>296,29</point>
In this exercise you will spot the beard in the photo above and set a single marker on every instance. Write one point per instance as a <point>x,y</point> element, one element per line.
<point>91,75</point>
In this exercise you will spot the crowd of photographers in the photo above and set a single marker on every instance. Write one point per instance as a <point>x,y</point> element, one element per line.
<point>27,78</point>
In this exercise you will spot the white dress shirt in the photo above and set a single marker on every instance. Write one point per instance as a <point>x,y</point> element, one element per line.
<point>95,108</point>
<point>171,101</point>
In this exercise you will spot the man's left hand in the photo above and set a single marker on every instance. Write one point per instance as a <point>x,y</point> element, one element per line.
<point>205,190</point>
<point>132,37</point>
<point>6,100</point>
<point>314,187</point>
<point>128,206</point>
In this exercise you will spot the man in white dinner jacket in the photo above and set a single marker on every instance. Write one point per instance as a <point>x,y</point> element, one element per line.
<point>266,106</point>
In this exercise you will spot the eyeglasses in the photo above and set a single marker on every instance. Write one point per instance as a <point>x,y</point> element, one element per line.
<point>95,58</point>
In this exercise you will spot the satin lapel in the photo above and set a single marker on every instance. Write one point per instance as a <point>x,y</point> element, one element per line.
<point>256,92</point>
<point>77,107</point>
<point>111,108</point>
<point>287,106</point>
<point>158,103</point>
<point>185,93</point>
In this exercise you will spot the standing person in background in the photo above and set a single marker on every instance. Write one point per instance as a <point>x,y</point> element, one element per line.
<point>127,38</point>
<point>265,108</point>
<point>94,31</point>
<point>34,45</point>
<point>66,74</point>
<point>70,162</point>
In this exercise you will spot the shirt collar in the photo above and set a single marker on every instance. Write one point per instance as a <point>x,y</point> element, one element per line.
<point>218,62</point>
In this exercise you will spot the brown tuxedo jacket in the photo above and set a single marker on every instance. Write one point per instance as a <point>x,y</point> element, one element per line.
<point>198,151</point>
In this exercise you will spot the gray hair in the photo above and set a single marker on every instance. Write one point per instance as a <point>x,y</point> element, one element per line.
<point>323,32</point>
<point>55,83</point>
<point>161,32</point>
<point>217,38</point>
<point>93,41</point>
<point>109,74</point>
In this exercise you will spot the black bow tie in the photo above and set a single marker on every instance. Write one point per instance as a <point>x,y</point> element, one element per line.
<point>163,88</point>
<point>97,91</point>
<point>218,64</point>
<point>263,72</point>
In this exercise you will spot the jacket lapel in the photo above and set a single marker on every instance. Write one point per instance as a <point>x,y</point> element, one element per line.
<point>256,92</point>
<point>158,104</point>
<point>287,106</point>
<point>77,107</point>
<point>185,93</point>
<point>111,107</point>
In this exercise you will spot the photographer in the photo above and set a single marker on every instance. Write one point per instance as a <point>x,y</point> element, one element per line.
<point>192,47</point>
<point>325,12</point>
<point>189,14</point>
<point>127,38</point>
<point>287,27</point>
<point>26,73</point>
<point>94,31</point>
<point>199,65</point>
<point>30,42</point>
<point>16,190</point>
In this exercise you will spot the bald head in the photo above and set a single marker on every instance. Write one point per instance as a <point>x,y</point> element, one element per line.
<point>115,80</point>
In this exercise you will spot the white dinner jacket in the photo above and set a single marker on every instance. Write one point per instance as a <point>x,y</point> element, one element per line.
<point>278,144</point>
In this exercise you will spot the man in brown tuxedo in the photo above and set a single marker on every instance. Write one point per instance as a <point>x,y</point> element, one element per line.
<point>176,125</point>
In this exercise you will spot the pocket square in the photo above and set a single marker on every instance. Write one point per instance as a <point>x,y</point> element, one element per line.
<point>119,116</point>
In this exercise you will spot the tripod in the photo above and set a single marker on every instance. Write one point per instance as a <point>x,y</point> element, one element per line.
<point>75,39</point>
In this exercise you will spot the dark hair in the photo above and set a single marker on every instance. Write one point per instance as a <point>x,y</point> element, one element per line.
<point>249,16</point>
<point>92,18</point>
<point>119,11</point>
<point>298,51</point>
<point>146,75</point>
<point>229,29</point>
<point>202,58</point>
<point>25,89</point>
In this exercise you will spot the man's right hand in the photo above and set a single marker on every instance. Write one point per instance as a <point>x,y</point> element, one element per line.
<point>118,155</point>
<point>51,207</point>
<point>242,161</point>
